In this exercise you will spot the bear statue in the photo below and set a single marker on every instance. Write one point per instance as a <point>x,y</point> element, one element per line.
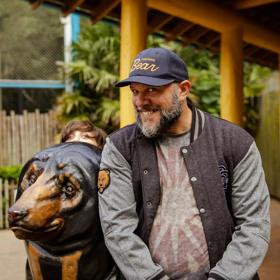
<point>56,213</point>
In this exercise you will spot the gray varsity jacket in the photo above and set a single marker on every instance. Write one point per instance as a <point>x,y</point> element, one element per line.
<point>225,170</point>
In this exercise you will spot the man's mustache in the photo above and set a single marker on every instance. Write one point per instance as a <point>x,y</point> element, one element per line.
<point>146,108</point>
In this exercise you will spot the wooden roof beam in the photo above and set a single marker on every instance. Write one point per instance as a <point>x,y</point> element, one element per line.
<point>195,36</point>
<point>212,16</point>
<point>211,36</point>
<point>71,6</point>
<point>158,22</point>
<point>35,3</point>
<point>263,56</point>
<point>247,4</point>
<point>211,40</point>
<point>103,9</point>
<point>264,59</point>
<point>251,50</point>
<point>178,30</point>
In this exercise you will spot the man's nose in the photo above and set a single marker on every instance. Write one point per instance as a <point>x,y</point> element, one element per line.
<point>140,100</point>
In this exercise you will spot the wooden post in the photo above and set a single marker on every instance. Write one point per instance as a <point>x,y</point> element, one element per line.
<point>1,205</point>
<point>279,73</point>
<point>278,88</point>
<point>232,75</point>
<point>7,202</point>
<point>133,40</point>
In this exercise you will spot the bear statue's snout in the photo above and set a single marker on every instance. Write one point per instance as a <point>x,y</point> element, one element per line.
<point>16,215</point>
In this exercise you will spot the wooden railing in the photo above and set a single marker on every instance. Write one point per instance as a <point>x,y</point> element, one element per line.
<point>23,135</point>
<point>7,198</point>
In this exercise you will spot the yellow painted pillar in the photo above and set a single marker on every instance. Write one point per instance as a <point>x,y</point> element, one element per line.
<point>133,40</point>
<point>231,69</point>
<point>278,88</point>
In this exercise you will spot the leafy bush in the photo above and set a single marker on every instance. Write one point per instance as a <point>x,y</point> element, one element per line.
<point>254,83</point>
<point>10,172</point>
<point>94,69</point>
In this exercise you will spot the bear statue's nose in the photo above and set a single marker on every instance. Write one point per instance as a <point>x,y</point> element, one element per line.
<point>15,215</point>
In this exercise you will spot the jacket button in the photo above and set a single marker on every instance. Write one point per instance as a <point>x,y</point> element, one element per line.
<point>202,210</point>
<point>184,150</point>
<point>149,204</point>
<point>193,179</point>
<point>145,171</point>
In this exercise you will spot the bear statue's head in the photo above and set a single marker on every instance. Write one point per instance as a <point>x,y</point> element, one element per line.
<point>56,199</point>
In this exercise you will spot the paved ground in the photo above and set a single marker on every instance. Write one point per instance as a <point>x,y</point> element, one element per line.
<point>12,254</point>
<point>12,257</point>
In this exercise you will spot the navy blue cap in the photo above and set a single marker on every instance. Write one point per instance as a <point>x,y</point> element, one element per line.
<point>156,67</point>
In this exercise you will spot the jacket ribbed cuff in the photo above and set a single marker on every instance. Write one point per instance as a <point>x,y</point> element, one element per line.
<point>215,276</point>
<point>159,276</point>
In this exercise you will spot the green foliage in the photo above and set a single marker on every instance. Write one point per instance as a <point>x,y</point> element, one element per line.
<point>74,105</point>
<point>105,112</point>
<point>204,76</point>
<point>10,172</point>
<point>254,83</point>
<point>94,69</point>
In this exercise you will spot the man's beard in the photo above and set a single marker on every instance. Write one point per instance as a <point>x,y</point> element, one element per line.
<point>167,118</point>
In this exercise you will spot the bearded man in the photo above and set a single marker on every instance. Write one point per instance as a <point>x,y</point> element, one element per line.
<point>184,195</point>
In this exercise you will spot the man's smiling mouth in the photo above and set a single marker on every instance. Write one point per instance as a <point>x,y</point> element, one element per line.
<point>148,113</point>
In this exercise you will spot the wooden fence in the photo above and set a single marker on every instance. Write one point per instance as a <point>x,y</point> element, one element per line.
<point>23,135</point>
<point>7,197</point>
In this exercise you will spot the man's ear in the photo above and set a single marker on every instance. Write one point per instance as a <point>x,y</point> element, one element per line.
<point>185,87</point>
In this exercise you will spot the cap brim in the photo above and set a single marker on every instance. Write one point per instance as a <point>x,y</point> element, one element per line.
<point>151,81</point>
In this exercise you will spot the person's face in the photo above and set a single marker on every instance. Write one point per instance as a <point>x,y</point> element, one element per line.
<point>80,136</point>
<point>157,108</point>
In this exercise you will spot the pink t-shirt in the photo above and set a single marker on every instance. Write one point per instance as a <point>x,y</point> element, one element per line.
<point>177,241</point>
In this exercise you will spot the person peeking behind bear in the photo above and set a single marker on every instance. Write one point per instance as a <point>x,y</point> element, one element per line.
<point>83,131</point>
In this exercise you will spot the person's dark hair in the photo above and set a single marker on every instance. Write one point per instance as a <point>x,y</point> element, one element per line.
<point>83,126</point>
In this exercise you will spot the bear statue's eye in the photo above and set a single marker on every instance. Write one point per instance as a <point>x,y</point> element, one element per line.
<point>32,179</point>
<point>68,189</point>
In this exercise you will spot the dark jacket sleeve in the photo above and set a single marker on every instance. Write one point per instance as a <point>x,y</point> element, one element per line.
<point>119,220</point>
<point>250,206</point>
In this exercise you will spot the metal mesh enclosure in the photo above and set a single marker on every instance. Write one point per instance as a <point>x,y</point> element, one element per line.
<point>31,44</point>
<point>31,41</point>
